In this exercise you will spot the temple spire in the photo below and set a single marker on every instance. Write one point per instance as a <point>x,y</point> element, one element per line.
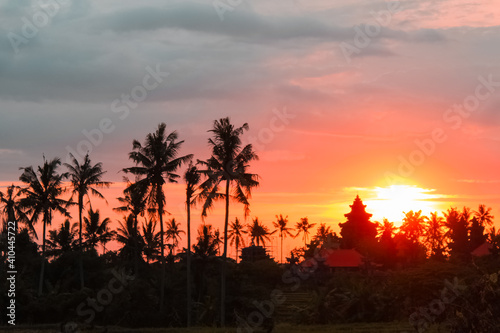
<point>358,231</point>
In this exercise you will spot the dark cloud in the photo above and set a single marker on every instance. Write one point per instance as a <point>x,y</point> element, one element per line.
<point>65,79</point>
<point>204,19</point>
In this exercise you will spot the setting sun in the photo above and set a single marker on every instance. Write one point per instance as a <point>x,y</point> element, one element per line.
<point>390,202</point>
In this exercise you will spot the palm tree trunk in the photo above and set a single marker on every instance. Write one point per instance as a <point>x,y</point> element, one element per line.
<point>224,254</point>
<point>282,248</point>
<point>188,203</point>
<point>42,270</point>
<point>80,250</point>
<point>136,246</point>
<point>236,252</point>
<point>162,278</point>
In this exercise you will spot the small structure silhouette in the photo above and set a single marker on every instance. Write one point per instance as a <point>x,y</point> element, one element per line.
<point>253,253</point>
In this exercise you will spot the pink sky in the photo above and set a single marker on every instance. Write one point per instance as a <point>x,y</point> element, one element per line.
<point>352,120</point>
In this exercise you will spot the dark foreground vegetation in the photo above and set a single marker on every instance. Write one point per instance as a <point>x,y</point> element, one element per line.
<point>115,295</point>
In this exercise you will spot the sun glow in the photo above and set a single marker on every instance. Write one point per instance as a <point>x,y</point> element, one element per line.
<point>390,202</point>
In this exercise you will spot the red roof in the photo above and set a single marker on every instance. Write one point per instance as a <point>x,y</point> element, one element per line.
<point>344,258</point>
<point>482,250</point>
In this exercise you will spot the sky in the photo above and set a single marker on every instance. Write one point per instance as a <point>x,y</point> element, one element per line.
<point>342,97</point>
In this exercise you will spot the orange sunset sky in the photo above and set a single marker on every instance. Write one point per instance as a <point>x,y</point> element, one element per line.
<point>342,98</point>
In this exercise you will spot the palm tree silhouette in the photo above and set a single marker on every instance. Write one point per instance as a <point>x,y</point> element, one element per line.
<point>303,227</point>
<point>434,235</point>
<point>192,178</point>
<point>323,233</point>
<point>11,202</point>
<point>259,232</point>
<point>133,243</point>
<point>151,240</point>
<point>281,226</point>
<point>484,216</point>
<point>97,231</point>
<point>63,240</point>
<point>173,233</point>
<point>133,202</point>
<point>156,163</point>
<point>386,229</point>
<point>413,225</point>
<point>452,216</point>
<point>85,179</point>
<point>457,223</point>
<point>42,198</point>
<point>207,242</point>
<point>494,239</point>
<point>228,164</point>
<point>217,240</point>
<point>236,232</point>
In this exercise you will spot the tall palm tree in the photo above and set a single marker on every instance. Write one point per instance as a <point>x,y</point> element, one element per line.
<point>236,232</point>
<point>259,232</point>
<point>173,232</point>
<point>97,231</point>
<point>413,225</point>
<point>281,226</point>
<point>42,198</point>
<point>151,240</point>
<point>227,167</point>
<point>156,163</point>
<point>192,178</point>
<point>62,240</point>
<point>85,179</point>
<point>434,235</point>
<point>484,216</point>
<point>303,226</point>
<point>11,202</point>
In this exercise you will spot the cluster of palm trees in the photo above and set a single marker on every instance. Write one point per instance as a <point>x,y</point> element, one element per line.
<point>224,176</point>
<point>259,233</point>
<point>42,195</point>
<point>455,232</point>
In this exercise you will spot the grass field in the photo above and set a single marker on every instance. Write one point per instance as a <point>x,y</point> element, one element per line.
<point>282,328</point>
